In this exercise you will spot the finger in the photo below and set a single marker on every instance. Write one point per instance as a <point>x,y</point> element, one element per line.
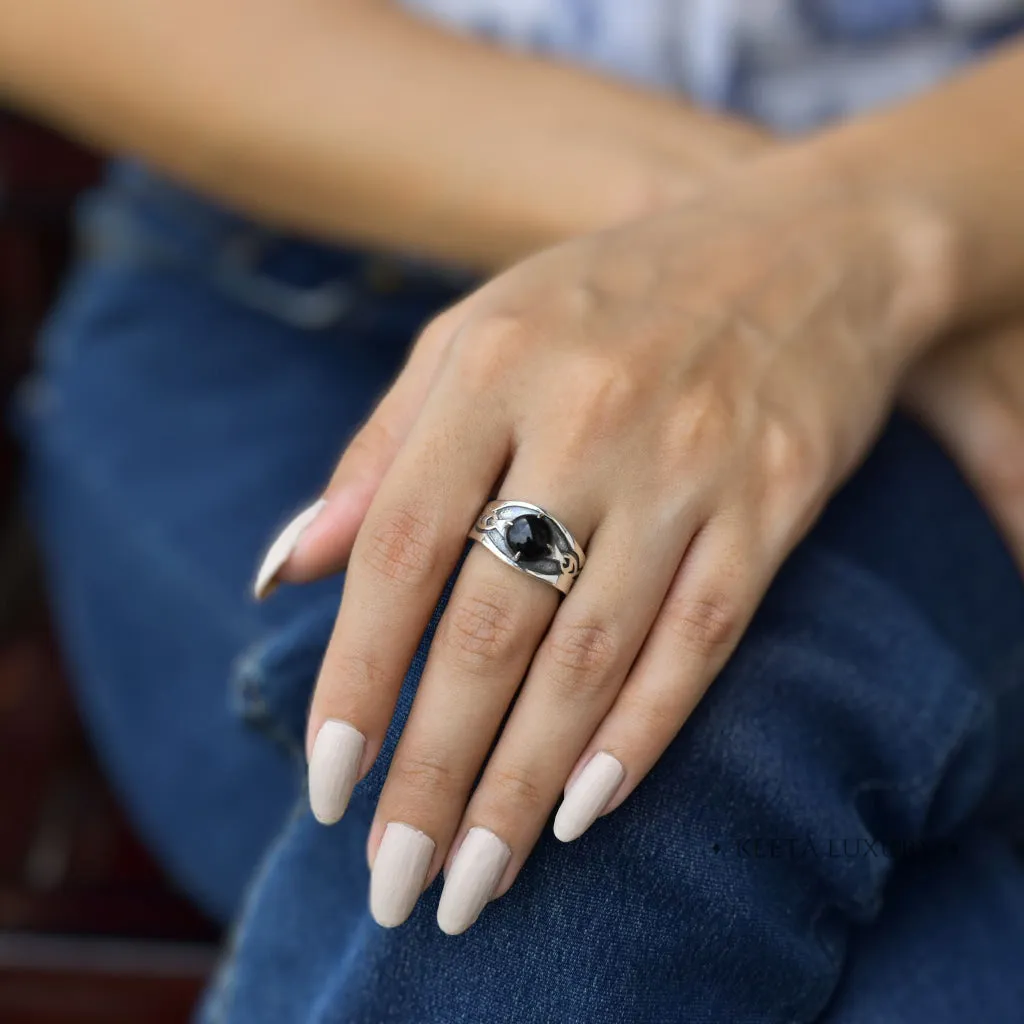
<point>572,682</point>
<point>485,639</point>
<point>494,619</point>
<point>408,545</point>
<point>705,612</point>
<point>318,541</point>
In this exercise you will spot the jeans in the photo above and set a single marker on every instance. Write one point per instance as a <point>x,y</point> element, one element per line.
<point>830,837</point>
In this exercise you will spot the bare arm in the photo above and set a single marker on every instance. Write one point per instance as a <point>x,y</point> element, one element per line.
<point>352,118</point>
<point>959,149</point>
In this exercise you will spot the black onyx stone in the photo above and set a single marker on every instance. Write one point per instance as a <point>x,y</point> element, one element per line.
<point>529,537</point>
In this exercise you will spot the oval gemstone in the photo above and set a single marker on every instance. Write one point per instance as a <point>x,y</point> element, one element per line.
<point>529,537</point>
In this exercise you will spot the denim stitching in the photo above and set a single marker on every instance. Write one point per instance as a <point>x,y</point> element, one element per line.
<point>248,686</point>
<point>916,785</point>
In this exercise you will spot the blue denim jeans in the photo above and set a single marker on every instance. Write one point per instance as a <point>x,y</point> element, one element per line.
<point>830,838</point>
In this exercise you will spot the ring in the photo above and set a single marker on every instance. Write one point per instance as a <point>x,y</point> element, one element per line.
<point>530,540</point>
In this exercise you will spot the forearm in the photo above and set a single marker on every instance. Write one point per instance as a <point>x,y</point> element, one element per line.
<point>958,150</point>
<point>352,119</point>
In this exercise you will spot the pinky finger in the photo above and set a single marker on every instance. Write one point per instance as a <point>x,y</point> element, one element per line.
<point>711,600</point>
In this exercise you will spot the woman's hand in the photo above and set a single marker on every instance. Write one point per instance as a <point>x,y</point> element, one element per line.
<point>969,393</point>
<point>683,393</point>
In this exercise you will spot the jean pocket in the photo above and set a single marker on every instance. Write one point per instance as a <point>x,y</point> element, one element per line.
<point>240,260</point>
<point>143,218</point>
<point>272,680</point>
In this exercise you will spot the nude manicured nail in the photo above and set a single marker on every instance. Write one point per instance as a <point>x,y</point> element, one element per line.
<point>474,875</point>
<point>399,871</point>
<point>282,548</point>
<point>333,769</point>
<point>588,796</point>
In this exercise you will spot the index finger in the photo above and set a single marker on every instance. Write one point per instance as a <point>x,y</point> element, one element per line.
<point>412,537</point>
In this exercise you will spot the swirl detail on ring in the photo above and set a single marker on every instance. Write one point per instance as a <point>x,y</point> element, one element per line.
<point>531,540</point>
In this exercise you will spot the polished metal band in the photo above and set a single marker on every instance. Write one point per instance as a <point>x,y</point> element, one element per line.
<point>530,540</point>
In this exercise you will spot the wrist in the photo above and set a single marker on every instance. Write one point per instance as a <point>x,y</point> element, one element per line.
<point>915,239</point>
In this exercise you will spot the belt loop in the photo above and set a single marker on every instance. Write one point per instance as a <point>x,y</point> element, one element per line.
<point>239,271</point>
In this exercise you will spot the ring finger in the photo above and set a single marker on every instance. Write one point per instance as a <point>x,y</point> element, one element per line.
<point>573,681</point>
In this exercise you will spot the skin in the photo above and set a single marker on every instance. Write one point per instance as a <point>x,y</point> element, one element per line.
<point>970,395</point>
<point>627,342</point>
<point>467,153</point>
<point>749,343</point>
<point>878,261</point>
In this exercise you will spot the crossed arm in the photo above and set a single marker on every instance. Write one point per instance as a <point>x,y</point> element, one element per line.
<point>353,119</point>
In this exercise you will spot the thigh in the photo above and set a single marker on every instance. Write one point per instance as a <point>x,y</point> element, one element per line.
<point>868,715</point>
<point>188,400</point>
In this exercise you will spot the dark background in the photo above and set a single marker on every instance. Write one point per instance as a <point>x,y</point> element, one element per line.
<point>90,932</point>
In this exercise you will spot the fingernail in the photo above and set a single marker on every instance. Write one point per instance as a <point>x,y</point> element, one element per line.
<point>474,875</point>
<point>399,871</point>
<point>282,548</point>
<point>588,796</point>
<point>333,769</point>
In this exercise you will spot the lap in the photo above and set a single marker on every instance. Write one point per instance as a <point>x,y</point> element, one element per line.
<point>870,710</point>
<point>846,738</point>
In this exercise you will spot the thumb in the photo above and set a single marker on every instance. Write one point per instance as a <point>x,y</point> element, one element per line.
<point>970,394</point>
<point>318,541</point>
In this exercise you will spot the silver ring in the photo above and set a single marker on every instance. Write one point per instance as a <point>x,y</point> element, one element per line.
<point>530,540</point>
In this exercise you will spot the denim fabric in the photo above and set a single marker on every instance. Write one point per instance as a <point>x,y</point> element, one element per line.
<point>827,839</point>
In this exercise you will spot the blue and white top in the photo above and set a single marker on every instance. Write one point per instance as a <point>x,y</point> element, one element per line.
<point>790,64</point>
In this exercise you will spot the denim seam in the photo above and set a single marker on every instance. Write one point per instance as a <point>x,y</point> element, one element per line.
<point>974,715</point>
<point>256,709</point>
<point>916,785</point>
<point>116,233</point>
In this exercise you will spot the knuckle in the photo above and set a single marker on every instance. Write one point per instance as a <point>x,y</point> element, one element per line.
<point>705,420</point>
<point>372,439</point>
<point>651,715</point>
<point>582,657</point>
<point>603,401</point>
<point>517,787</point>
<point>604,383</point>
<point>423,773</point>
<point>361,677</point>
<point>480,628</point>
<point>402,546</point>
<point>706,625</point>
<point>482,350</point>
<point>794,460</point>
<point>438,332</point>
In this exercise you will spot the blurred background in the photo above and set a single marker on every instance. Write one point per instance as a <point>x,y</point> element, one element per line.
<point>89,929</point>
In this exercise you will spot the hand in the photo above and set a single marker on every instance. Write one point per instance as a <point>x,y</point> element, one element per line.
<point>684,393</point>
<point>970,393</point>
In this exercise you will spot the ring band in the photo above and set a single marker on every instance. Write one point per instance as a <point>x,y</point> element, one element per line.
<point>530,540</point>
